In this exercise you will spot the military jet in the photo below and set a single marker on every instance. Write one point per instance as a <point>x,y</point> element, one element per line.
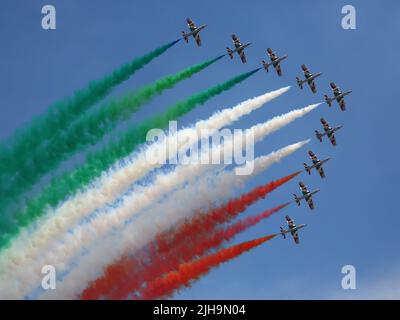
<point>292,229</point>
<point>329,131</point>
<point>306,195</point>
<point>275,62</point>
<point>317,164</point>
<point>239,48</point>
<point>338,96</point>
<point>309,78</point>
<point>194,31</point>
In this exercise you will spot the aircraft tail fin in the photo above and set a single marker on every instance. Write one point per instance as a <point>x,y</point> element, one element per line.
<point>296,199</point>
<point>318,135</point>
<point>299,83</point>
<point>282,233</point>
<point>230,52</point>
<point>265,65</point>
<point>327,100</point>
<point>308,169</point>
<point>184,35</point>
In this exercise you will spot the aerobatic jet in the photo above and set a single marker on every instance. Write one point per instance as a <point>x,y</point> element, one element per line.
<point>194,31</point>
<point>309,78</point>
<point>275,61</point>
<point>316,163</point>
<point>239,48</point>
<point>338,95</point>
<point>292,229</point>
<point>329,131</point>
<point>306,195</point>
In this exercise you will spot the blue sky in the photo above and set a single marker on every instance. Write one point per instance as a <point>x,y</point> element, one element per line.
<point>355,218</point>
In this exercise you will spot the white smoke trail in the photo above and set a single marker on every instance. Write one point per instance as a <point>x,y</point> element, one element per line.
<point>158,218</point>
<point>31,242</point>
<point>85,235</point>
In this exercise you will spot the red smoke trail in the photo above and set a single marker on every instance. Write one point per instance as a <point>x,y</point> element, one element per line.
<point>214,239</point>
<point>129,274</point>
<point>117,275</point>
<point>205,222</point>
<point>188,272</point>
<point>163,263</point>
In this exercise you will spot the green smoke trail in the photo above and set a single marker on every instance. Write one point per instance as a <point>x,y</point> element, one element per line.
<point>89,129</point>
<point>61,114</point>
<point>59,189</point>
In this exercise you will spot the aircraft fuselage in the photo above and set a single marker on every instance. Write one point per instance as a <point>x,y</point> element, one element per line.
<point>277,61</point>
<point>333,130</point>
<point>318,163</point>
<point>308,194</point>
<point>293,229</point>
<point>341,95</point>
<point>241,47</point>
<point>196,31</point>
<point>312,77</point>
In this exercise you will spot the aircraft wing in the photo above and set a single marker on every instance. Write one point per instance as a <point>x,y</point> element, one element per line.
<point>191,24</point>
<point>313,86</point>
<point>278,69</point>
<point>198,39</point>
<point>303,189</point>
<point>326,126</point>
<point>342,105</point>
<point>236,41</point>
<point>321,172</point>
<point>332,139</point>
<point>295,235</point>
<point>310,203</point>
<point>242,55</point>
